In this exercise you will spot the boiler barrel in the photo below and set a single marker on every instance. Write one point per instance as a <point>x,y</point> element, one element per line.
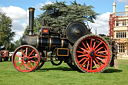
<point>49,43</point>
<point>44,43</point>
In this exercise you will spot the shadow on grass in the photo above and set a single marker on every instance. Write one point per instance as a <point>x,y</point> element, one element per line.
<point>69,69</point>
<point>112,71</point>
<point>56,68</point>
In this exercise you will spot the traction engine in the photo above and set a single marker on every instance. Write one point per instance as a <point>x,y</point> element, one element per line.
<point>4,54</point>
<point>77,47</point>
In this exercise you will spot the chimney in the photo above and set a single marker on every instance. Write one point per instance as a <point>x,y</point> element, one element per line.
<point>31,20</point>
<point>126,10</point>
<point>114,8</point>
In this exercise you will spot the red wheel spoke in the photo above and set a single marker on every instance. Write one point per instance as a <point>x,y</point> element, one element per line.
<point>85,61</point>
<point>84,45</point>
<point>18,60</point>
<point>18,56</point>
<point>82,59</point>
<point>80,52</point>
<point>99,49</point>
<point>102,60</point>
<point>94,44</point>
<point>98,45</point>
<point>31,53</point>
<point>95,64</point>
<point>91,43</point>
<point>87,64</point>
<point>34,61</point>
<point>26,67</point>
<point>22,52</point>
<point>87,45</point>
<point>102,52</point>
<point>106,52</point>
<point>91,64</point>
<point>30,64</point>
<point>21,65</point>
<point>26,50</point>
<point>83,49</point>
<point>83,55</point>
<point>100,56</point>
<point>33,57</point>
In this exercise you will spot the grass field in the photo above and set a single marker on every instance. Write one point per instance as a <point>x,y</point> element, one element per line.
<point>63,75</point>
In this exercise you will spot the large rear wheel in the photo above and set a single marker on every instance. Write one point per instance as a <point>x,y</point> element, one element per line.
<point>91,53</point>
<point>72,66</point>
<point>26,58</point>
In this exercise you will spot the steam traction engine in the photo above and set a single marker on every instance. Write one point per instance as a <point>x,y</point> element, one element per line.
<point>77,47</point>
<point>4,54</point>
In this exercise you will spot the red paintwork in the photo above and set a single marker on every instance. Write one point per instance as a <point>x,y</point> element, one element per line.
<point>32,60</point>
<point>101,56</point>
<point>4,53</point>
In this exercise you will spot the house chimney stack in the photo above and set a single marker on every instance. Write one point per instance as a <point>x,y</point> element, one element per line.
<point>126,10</point>
<point>114,7</point>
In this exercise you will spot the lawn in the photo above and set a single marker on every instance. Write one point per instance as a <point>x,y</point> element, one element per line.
<point>63,75</point>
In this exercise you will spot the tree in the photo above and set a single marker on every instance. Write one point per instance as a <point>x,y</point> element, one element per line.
<point>59,15</point>
<point>15,45</point>
<point>6,34</point>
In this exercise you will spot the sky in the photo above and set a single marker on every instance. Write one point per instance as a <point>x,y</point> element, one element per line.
<point>17,10</point>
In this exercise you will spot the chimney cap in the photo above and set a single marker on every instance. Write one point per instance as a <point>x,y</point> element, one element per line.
<point>114,3</point>
<point>126,6</point>
<point>31,8</point>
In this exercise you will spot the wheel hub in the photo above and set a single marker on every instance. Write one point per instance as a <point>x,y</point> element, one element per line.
<point>92,53</point>
<point>25,58</point>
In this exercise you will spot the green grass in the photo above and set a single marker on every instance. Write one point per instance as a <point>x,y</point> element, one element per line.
<point>63,75</point>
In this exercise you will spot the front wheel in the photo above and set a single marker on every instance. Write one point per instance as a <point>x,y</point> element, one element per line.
<point>26,58</point>
<point>91,53</point>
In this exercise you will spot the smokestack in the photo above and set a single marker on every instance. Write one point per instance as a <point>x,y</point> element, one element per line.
<point>126,10</point>
<point>114,7</point>
<point>31,20</point>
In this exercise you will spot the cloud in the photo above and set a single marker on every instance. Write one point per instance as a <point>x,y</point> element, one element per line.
<point>48,2</point>
<point>101,24</point>
<point>17,25</point>
<point>39,5</point>
<point>19,19</point>
<point>15,13</point>
<point>126,1</point>
<point>1,10</point>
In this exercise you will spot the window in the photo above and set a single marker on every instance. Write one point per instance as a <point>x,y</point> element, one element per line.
<point>121,34</point>
<point>124,23</point>
<point>121,48</point>
<point>117,23</point>
<point>121,23</point>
